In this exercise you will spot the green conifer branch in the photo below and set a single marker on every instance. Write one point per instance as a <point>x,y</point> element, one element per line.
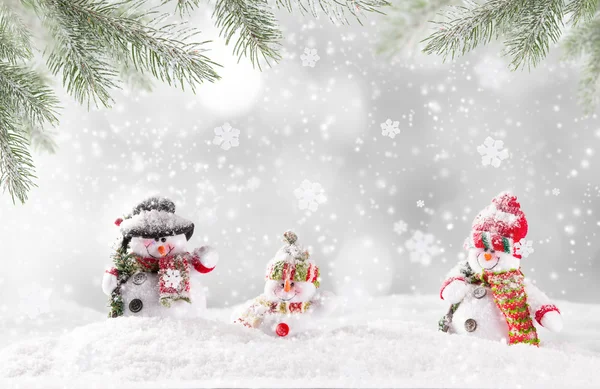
<point>16,165</point>
<point>258,35</point>
<point>24,91</point>
<point>337,10</point>
<point>538,24</point>
<point>15,39</point>
<point>406,24</point>
<point>581,11</point>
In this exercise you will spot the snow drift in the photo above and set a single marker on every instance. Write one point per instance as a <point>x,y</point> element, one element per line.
<point>389,341</point>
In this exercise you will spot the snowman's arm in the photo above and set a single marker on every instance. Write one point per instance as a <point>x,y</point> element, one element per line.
<point>109,281</point>
<point>252,315</point>
<point>204,259</point>
<point>542,309</point>
<point>455,286</point>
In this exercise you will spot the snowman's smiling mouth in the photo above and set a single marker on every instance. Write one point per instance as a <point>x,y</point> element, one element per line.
<point>285,300</point>
<point>486,264</point>
<point>152,256</point>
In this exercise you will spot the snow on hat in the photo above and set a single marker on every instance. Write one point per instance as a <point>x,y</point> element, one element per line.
<point>154,218</point>
<point>292,263</point>
<point>499,225</point>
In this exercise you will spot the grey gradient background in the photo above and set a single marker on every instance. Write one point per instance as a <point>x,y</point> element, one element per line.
<point>321,124</point>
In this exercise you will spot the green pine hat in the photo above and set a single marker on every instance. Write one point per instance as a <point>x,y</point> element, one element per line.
<point>292,263</point>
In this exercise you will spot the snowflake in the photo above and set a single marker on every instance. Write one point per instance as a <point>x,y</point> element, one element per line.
<point>492,152</point>
<point>227,136</point>
<point>524,247</point>
<point>420,203</point>
<point>390,128</point>
<point>310,195</point>
<point>310,57</point>
<point>172,278</point>
<point>400,227</point>
<point>422,248</point>
<point>555,191</point>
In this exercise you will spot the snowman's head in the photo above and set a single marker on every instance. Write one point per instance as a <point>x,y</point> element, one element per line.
<point>495,230</point>
<point>289,291</point>
<point>493,260</point>
<point>154,230</point>
<point>158,247</point>
<point>291,275</point>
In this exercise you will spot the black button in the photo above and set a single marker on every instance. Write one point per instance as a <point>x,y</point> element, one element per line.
<point>470,325</point>
<point>136,305</point>
<point>139,278</point>
<point>479,292</point>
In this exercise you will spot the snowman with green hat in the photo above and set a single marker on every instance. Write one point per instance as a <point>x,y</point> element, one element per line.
<point>290,301</point>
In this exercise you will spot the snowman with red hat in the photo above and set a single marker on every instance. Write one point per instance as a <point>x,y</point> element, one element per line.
<point>489,295</point>
<point>290,301</point>
<point>153,274</point>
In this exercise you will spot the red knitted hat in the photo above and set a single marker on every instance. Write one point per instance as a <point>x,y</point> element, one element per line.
<point>499,225</point>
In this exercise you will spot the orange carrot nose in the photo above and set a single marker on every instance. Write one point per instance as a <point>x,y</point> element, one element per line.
<point>287,286</point>
<point>487,256</point>
<point>161,250</point>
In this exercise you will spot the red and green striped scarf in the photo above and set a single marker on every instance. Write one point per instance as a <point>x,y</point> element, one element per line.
<point>254,314</point>
<point>508,289</point>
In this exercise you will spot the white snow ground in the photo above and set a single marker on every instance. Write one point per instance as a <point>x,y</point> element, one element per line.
<point>391,342</point>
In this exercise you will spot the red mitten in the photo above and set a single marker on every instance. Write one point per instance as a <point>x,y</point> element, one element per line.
<point>454,290</point>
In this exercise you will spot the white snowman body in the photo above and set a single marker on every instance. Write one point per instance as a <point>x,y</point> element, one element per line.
<point>477,314</point>
<point>141,298</point>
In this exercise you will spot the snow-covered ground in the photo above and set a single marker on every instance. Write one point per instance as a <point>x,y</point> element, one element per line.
<point>389,341</point>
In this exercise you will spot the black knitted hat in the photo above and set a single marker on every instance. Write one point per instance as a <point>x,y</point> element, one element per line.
<point>154,218</point>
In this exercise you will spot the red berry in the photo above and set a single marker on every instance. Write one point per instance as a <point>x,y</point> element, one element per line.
<point>118,221</point>
<point>282,329</point>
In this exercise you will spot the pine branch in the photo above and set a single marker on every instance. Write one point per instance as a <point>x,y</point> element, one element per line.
<point>184,6</point>
<point>16,166</point>
<point>15,40</point>
<point>256,26</point>
<point>338,11</point>
<point>581,10</point>
<point>42,140</point>
<point>584,41</point>
<point>100,28</point>
<point>86,74</point>
<point>538,24</point>
<point>406,22</point>
<point>24,91</point>
<point>466,28</point>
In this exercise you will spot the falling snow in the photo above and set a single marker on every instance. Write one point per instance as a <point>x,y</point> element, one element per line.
<point>227,136</point>
<point>390,128</point>
<point>309,57</point>
<point>310,195</point>
<point>492,152</point>
<point>524,247</point>
<point>422,248</point>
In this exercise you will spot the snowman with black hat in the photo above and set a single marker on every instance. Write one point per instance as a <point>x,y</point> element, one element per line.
<point>153,274</point>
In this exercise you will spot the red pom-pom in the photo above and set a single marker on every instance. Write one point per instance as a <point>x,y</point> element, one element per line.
<point>118,222</point>
<point>282,329</point>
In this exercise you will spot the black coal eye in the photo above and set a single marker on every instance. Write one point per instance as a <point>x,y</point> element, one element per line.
<point>163,239</point>
<point>156,239</point>
<point>485,250</point>
<point>493,251</point>
<point>292,284</point>
<point>282,284</point>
